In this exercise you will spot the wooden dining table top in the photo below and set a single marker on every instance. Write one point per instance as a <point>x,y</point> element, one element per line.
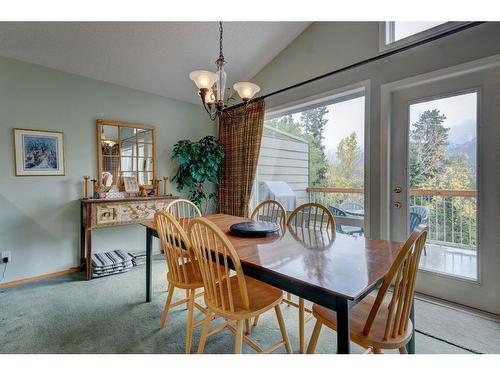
<point>341,265</point>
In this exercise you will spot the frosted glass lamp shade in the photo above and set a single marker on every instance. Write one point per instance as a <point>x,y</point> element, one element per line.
<point>203,79</point>
<point>246,90</point>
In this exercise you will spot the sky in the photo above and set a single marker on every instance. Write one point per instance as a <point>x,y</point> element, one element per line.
<point>404,29</point>
<point>460,111</point>
<point>348,116</point>
<point>343,119</point>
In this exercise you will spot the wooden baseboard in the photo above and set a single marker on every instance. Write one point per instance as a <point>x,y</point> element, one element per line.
<point>39,277</point>
<point>33,279</point>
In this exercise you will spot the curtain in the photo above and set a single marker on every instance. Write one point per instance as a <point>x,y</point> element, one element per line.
<point>240,132</point>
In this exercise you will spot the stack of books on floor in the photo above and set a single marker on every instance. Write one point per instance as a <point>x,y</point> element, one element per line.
<point>138,257</point>
<point>110,263</point>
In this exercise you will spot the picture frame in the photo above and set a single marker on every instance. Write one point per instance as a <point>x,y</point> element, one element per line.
<point>38,152</point>
<point>131,185</point>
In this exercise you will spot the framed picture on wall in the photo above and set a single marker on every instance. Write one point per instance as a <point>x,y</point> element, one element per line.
<point>38,152</point>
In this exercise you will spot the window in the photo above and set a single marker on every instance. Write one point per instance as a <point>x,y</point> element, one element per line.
<point>314,152</point>
<point>398,33</point>
<point>443,181</point>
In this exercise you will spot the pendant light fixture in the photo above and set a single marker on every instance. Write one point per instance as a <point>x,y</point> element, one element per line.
<point>212,86</point>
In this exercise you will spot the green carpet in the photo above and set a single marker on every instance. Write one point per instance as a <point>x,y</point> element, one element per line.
<point>108,315</point>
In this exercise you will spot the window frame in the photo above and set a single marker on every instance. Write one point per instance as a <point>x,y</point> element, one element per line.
<point>386,27</point>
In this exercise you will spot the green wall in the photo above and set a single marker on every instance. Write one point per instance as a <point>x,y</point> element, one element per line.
<point>39,216</point>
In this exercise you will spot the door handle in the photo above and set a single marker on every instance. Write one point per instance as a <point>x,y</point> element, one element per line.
<point>397,204</point>
<point>398,189</point>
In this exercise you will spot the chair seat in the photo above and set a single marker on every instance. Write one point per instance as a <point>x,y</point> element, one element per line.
<point>194,280</point>
<point>261,296</point>
<point>358,316</point>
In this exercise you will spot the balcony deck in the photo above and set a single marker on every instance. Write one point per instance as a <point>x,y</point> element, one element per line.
<point>450,260</point>
<point>450,217</point>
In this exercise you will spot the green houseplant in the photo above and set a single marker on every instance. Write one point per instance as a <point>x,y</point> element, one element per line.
<point>198,163</point>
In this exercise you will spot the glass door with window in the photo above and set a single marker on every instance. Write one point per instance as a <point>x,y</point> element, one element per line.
<point>441,176</point>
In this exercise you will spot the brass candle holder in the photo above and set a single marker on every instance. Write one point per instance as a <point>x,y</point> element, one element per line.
<point>165,185</point>
<point>86,186</point>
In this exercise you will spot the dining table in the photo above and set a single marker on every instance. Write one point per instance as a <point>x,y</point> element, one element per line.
<point>333,270</point>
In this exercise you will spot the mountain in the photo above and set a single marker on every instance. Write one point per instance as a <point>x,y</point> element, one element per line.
<point>463,132</point>
<point>468,148</point>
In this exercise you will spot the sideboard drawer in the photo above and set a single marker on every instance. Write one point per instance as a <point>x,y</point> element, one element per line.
<point>107,214</point>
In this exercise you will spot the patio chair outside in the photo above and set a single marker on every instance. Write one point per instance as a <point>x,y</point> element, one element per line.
<point>346,229</point>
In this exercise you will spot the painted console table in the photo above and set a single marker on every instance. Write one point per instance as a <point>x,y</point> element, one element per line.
<point>104,213</point>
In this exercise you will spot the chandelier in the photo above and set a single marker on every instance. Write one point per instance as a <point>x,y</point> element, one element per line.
<point>212,86</point>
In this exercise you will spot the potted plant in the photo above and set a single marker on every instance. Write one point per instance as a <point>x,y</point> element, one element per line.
<point>199,163</point>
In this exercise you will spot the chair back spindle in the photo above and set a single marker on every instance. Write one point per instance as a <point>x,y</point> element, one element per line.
<point>401,275</point>
<point>270,211</point>
<point>215,254</point>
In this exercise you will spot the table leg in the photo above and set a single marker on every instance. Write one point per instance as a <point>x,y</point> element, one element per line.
<point>88,254</point>
<point>411,344</point>
<point>149,274</point>
<point>82,247</point>
<point>343,329</point>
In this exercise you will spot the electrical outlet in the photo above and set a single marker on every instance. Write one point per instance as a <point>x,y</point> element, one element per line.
<point>5,254</point>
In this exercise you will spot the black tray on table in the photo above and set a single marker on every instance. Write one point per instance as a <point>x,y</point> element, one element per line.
<point>254,229</point>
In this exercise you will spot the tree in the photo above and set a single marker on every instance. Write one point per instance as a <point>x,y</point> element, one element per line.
<point>347,170</point>
<point>286,124</point>
<point>457,174</point>
<point>313,124</point>
<point>428,141</point>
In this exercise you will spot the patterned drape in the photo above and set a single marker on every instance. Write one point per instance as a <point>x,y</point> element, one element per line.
<point>240,132</point>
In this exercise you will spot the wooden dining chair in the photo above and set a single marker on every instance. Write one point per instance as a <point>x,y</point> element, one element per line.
<point>311,216</point>
<point>231,295</point>
<point>270,211</point>
<point>183,210</point>
<point>374,322</point>
<point>183,270</point>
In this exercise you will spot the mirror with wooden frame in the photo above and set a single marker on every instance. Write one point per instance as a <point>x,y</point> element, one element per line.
<point>125,150</point>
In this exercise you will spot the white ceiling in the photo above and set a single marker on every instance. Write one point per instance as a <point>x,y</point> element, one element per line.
<point>155,57</point>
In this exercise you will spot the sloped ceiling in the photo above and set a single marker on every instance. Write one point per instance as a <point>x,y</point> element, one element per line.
<point>154,57</point>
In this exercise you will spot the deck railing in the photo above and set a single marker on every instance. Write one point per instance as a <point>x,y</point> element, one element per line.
<point>451,214</point>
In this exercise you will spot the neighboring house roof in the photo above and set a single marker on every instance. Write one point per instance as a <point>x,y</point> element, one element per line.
<point>283,135</point>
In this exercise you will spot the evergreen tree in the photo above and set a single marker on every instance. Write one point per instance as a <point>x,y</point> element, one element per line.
<point>313,124</point>
<point>428,141</point>
<point>286,124</point>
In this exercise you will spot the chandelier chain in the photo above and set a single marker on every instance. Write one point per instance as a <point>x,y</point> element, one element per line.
<point>221,30</point>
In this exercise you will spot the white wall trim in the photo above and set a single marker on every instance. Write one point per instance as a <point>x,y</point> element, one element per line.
<point>386,91</point>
